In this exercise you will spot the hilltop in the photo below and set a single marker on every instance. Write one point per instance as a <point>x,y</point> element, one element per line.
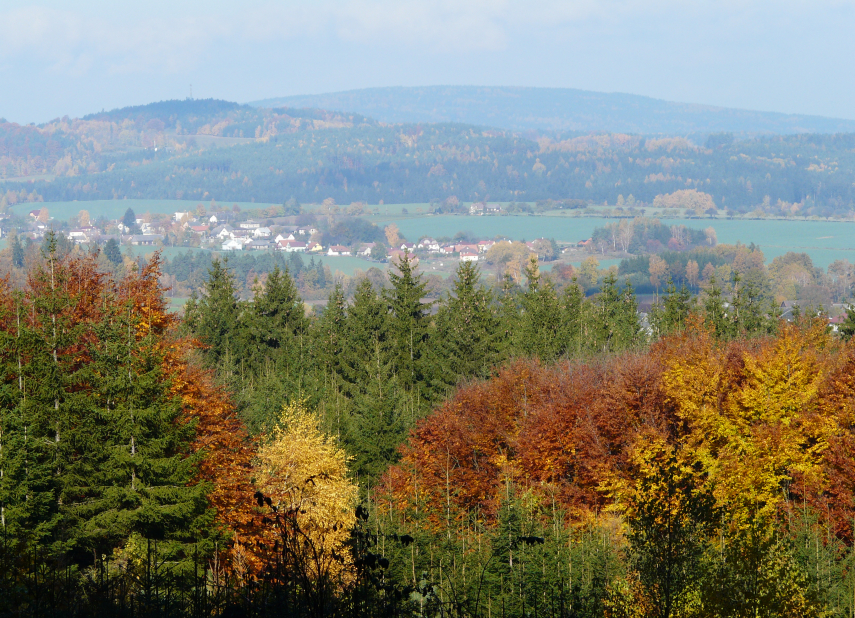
<point>556,109</point>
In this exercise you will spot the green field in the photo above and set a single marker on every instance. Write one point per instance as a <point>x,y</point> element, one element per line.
<point>824,241</point>
<point>113,209</point>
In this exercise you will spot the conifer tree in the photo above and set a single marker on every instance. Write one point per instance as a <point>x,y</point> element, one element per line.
<point>715,312</point>
<point>509,317</point>
<point>214,317</point>
<point>17,252</point>
<point>619,328</point>
<point>366,329</point>
<point>671,314</point>
<point>572,335</point>
<point>408,321</point>
<point>136,478</point>
<point>466,343</point>
<point>540,319</point>
<point>328,347</point>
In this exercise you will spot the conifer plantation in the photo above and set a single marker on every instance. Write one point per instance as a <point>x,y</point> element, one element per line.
<point>522,450</point>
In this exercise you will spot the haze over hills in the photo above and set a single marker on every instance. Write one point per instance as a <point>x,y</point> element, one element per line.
<point>557,109</point>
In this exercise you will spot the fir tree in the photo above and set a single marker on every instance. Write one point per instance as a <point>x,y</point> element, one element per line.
<point>619,328</point>
<point>408,323</point>
<point>540,318</point>
<point>112,251</point>
<point>465,344</point>
<point>715,312</point>
<point>17,252</point>
<point>572,332</point>
<point>671,314</point>
<point>216,313</point>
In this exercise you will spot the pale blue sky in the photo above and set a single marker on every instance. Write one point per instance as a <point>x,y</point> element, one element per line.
<point>73,58</point>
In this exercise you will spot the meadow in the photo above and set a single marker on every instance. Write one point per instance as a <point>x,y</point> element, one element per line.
<point>824,241</point>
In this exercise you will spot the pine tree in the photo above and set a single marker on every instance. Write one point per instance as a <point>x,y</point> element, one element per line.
<point>328,348</point>
<point>670,316</point>
<point>215,315</point>
<point>540,320</point>
<point>619,328</point>
<point>572,334</point>
<point>112,251</point>
<point>466,341</point>
<point>17,252</point>
<point>408,322</point>
<point>715,312</point>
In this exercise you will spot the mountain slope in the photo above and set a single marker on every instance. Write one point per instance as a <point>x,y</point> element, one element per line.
<point>557,109</point>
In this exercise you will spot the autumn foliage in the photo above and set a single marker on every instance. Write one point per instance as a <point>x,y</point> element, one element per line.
<point>761,422</point>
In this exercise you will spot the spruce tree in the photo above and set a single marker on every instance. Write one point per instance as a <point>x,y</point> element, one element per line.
<point>215,315</point>
<point>136,478</point>
<point>112,251</point>
<point>572,334</point>
<point>715,312</point>
<point>670,315</point>
<point>619,328</point>
<point>540,318</point>
<point>17,252</point>
<point>328,348</point>
<point>408,321</point>
<point>466,343</point>
<point>509,317</point>
<point>273,345</point>
<point>367,330</point>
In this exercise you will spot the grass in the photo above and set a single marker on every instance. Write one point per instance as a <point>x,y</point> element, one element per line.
<point>823,241</point>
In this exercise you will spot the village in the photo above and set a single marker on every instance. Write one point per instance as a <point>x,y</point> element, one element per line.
<point>227,231</point>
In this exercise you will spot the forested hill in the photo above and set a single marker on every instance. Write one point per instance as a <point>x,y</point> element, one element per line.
<point>788,175</point>
<point>556,109</point>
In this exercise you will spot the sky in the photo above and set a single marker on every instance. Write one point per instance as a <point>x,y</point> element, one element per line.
<point>74,58</point>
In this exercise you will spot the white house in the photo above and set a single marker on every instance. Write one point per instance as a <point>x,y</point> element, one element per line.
<point>249,225</point>
<point>287,236</point>
<point>233,245</point>
<point>365,250</point>
<point>338,250</point>
<point>262,232</point>
<point>468,256</point>
<point>428,244</point>
<point>292,246</point>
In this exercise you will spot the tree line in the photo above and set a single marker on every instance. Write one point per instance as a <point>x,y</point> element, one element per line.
<point>509,449</point>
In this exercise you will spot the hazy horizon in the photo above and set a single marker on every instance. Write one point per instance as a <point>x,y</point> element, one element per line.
<point>785,57</point>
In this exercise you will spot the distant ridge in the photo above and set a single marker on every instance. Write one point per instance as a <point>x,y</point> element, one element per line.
<point>557,109</point>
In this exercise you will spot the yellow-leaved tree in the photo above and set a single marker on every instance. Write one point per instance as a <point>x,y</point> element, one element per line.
<point>303,474</point>
<point>752,424</point>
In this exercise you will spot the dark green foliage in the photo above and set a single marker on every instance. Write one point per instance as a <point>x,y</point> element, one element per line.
<point>847,327</point>
<point>129,219</point>
<point>465,343</point>
<point>214,318</point>
<point>670,315</point>
<point>112,251</point>
<point>17,252</point>
<point>618,327</point>
<point>408,321</point>
<point>537,333</point>
<point>93,447</point>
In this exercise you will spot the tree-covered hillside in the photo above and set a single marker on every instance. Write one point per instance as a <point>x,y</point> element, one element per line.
<point>556,109</point>
<point>792,175</point>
